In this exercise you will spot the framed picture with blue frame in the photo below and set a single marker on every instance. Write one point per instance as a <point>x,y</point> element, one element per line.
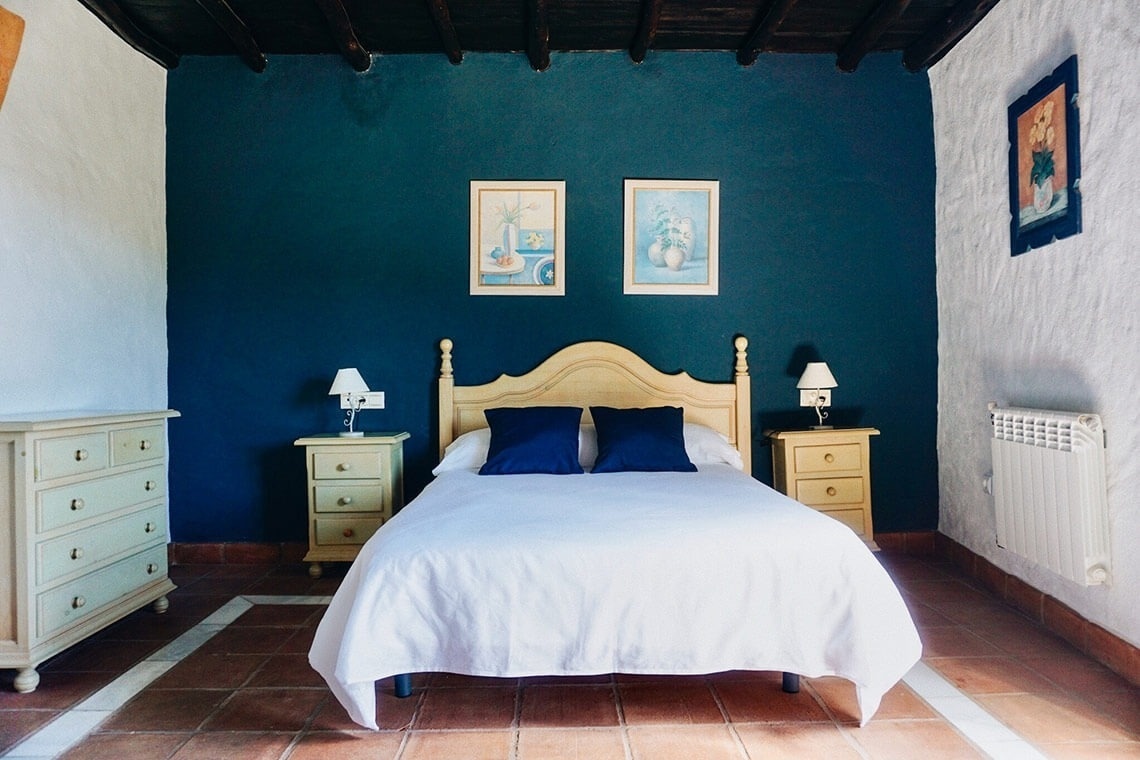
<point>1044,161</point>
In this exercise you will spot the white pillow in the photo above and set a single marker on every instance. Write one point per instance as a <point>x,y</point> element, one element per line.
<point>703,445</point>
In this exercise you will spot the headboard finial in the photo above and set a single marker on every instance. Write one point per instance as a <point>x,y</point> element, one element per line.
<point>445,368</point>
<point>741,344</point>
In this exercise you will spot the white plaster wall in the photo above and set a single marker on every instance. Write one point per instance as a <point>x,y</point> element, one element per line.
<point>82,218</point>
<point>1057,327</point>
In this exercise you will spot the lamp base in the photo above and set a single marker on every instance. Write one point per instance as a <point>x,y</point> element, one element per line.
<point>352,434</point>
<point>811,427</point>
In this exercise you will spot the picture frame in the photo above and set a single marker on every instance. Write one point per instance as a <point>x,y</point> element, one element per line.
<point>11,34</point>
<point>518,238</point>
<point>1044,161</point>
<point>672,231</point>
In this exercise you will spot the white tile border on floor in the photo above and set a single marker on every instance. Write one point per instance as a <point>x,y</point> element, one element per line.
<point>989,734</point>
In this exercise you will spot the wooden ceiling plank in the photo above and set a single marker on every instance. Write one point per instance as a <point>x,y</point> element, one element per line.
<point>646,29</point>
<point>234,28</point>
<point>344,35</point>
<point>111,14</point>
<point>937,41</point>
<point>538,35</point>
<point>863,39</point>
<point>777,12</point>
<point>441,16</point>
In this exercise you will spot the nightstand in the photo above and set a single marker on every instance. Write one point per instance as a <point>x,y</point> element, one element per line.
<point>354,486</point>
<point>828,470</point>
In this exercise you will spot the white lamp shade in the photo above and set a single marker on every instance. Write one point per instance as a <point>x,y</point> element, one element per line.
<point>817,375</point>
<point>348,380</point>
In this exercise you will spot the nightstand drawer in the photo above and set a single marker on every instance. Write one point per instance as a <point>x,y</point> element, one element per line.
<point>92,546</point>
<point>59,457</point>
<point>339,498</point>
<point>830,458</point>
<point>137,444</point>
<point>339,465</point>
<point>852,518</point>
<point>825,491</point>
<point>336,531</point>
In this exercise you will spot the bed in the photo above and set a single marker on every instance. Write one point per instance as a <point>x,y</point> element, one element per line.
<point>687,570</point>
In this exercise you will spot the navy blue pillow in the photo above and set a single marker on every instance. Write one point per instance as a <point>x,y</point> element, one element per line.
<point>533,439</point>
<point>641,440</point>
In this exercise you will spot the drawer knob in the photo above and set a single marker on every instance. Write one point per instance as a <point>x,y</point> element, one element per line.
<point>344,466</point>
<point>77,504</point>
<point>348,532</point>
<point>80,455</point>
<point>151,485</point>
<point>144,445</point>
<point>151,569</point>
<point>829,457</point>
<point>344,501</point>
<point>831,490</point>
<point>78,602</point>
<point>77,552</point>
<point>151,527</point>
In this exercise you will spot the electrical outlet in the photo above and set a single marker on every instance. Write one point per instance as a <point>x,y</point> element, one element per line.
<point>809,395</point>
<point>372,400</point>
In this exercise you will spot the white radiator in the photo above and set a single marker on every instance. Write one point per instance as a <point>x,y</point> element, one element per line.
<point>1049,490</point>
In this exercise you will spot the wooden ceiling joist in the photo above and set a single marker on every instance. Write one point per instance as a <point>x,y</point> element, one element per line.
<point>538,35</point>
<point>646,29</point>
<point>234,28</point>
<point>777,12</point>
<point>930,47</point>
<point>441,17</point>
<point>863,40</point>
<point>345,36</point>
<point>111,14</point>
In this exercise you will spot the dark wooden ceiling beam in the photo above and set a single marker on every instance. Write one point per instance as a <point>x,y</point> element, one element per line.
<point>111,14</point>
<point>646,29</point>
<point>538,35</point>
<point>937,41</point>
<point>344,35</point>
<point>864,38</point>
<point>441,16</point>
<point>777,12</point>
<point>234,28</point>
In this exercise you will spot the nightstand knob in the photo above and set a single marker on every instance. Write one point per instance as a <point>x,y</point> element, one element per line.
<point>831,490</point>
<point>150,485</point>
<point>344,466</point>
<point>144,445</point>
<point>348,532</point>
<point>80,455</point>
<point>150,527</point>
<point>78,602</point>
<point>77,504</point>
<point>344,501</point>
<point>829,457</point>
<point>151,569</point>
<point>77,553</point>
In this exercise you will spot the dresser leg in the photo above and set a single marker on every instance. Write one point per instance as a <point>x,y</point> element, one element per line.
<point>315,570</point>
<point>26,681</point>
<point>160,605</point>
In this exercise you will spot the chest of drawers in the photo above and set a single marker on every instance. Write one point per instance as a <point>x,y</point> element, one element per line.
<point>354,486</point>
<point>828,470</point>
<point>83,509</point>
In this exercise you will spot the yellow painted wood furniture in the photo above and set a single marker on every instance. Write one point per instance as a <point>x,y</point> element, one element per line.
<point>828,470</point>
<point>355,484</point>
<point>84,532</point>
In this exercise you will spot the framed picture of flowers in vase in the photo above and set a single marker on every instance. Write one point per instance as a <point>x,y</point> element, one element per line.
<point>518,238</point>
<point>1044,161</point>
<point>672,230</point>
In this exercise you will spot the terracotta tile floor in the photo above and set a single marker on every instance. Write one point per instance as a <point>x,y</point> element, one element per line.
<point>247,692</point>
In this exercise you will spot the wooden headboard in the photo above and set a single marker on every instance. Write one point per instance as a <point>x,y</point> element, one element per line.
<point>596,373</point>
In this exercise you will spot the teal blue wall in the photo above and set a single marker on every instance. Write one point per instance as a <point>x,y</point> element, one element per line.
<point>318,218</point>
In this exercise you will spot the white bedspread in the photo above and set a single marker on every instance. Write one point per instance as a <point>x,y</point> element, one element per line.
<point>680,573</point>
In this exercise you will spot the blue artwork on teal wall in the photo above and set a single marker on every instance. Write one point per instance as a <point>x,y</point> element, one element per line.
<point>319,218</point>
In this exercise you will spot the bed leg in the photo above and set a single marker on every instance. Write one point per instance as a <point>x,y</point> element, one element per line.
<point>791,683</point>
<point>403,686</point>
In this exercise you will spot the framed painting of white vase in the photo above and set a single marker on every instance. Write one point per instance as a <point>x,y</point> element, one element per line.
<point>672,229</point>
<point>518,238</point>
<point>1044,161</point>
